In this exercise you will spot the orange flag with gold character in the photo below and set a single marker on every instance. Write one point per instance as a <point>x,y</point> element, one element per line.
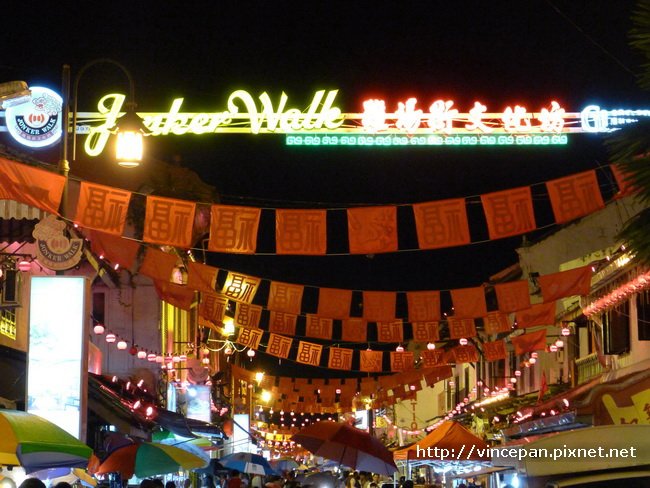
<point>433,358</point>
<point>575,281</point>
<point>423,306</point>
<point>509,212</point>
<point>513,296</point>
<point>534,341</point>
<point>285,297</point>
<point>379,305</point>
<point>372,230</point>
<point>340,358</point>
<point>247,315</point>
<point>575,196</point>
<point>465,354</point>
<point>334,303</point>
<point>319,327</point>
<point>469,302</point>
<point>201,277</point>
<point>401,361</point>
<point>538,314</point>
<point>102,208</point>
<point>354,330</point>
<point>441,223</point>
<point>234,229</point>
<point>301,232</point>
<point>169,221</point>
<point>31,186</point>
<point>459,328</point>
<point>371,361</point>
<point>240,287</point>
<point>390,331</point>
<point>494,350</point>
<point>309,353</point>
<point>495,323</point>
<point>426,331</point>
<point>213,307</point>
<point>282,323</point>
<point>279,346</point>
<point>250,337</point>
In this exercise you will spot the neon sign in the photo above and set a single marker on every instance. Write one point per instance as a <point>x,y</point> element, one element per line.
<point>438,122</point>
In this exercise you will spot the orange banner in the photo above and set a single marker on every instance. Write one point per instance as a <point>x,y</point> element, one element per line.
<point>319,327</point>
<point>390,331</point>
<point>465,354</point>
<point>240,287</point>
<point>177,295</point>
<point>423,306</point>
<point>624,181</point>
<point>158,265</point>
<point>459,328</point>
<point>309,353</point>
<point>31,186</point>
<point>354,330</point>
<point>282,323</point>
<point>340,358</point>
<point>247,315</point>
<point>538,314</point>
<point>169,221</point>
<point>301,232</point>
<point>334,303</point>
<point>575,281</point>
<point>401,361</point>
<point>509,212</point>
<point>201,277</point>
<point>433,358</point>
<point>213,307</point>
<point>285,297</point>
<point>495,350</point>
<point>102,208</point>
<point>426,331</point>
<point>469,302</point>
<point>495,323</point>
<point>250,337</point>
<point>234,229</point>
<point>513,296</point>
<point>575,196</point>
<point>534,341</point>
<point>372,230</point>
<point>279,346</point>
<point>379,305</point>
<point>441,224</point>
<point>117,250</point>
<point>371,361</point>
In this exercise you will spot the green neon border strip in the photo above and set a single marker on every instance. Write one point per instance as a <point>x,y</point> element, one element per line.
<point>396,140</point>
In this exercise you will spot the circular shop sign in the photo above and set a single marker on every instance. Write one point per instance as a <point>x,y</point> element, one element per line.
<point>36,123</point>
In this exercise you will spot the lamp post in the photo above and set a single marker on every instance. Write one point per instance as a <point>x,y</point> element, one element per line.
<point>130,130</point>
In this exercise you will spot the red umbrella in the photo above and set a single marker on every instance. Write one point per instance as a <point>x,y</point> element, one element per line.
<point>348,446</point>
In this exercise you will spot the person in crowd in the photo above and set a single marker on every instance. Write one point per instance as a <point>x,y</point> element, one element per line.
<point>234,481</point>
<point>170,484</point>
<point>187,483</point>
<point>408,484</point>
<point>147,483</point>
<point>63,484</point>
<point>32,483</point>
<point>158,483</point>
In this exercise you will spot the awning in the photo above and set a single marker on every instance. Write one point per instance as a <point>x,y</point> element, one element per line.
<point>449,440</point>
<point>187,427</point>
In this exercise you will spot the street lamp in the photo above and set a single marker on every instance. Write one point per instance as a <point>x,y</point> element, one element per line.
<point>130,129</point>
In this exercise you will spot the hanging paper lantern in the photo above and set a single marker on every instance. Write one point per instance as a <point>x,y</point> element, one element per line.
<point>565,331</point>
<point>110,338</point>
<point>133,350</point>
<point>431,346</point>
<point>121,344</point>
<point>99,329</point>
<point>24,265</point>
<point>142,354</point>
<point>399,348</point>
<point>250,353</point>
<point>462,341</point>
<point>559,343</point>
<point>151,357</point>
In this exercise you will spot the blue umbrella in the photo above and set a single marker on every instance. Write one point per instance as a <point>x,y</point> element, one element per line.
<point>246,462</point>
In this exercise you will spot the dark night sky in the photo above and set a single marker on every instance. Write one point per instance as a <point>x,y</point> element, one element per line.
<point>500,52</point>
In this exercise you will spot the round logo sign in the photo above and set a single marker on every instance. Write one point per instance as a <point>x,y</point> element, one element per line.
<point>36,123</point>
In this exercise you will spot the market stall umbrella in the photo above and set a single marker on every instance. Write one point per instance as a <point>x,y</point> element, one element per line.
<point>34,443</point>
<point>247,462</point>
<point>146,459</point>
<point>347,446</point>
<point>284,464</point>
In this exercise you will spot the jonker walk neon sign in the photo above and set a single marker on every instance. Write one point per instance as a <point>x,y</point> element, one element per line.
<point>322,123</point>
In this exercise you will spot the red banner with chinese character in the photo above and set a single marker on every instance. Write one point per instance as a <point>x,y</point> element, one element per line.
<point>213,307</point>
<point>423,306</point>
<point>279,346</point>
<point>575,196</point>
<point>177,295</point>
<point>426,331</point>
<point>319,327</point>
<point>117,250</point>
<point>282,323</point>
<point>354,330</point>
<point>495,350</point>
<point>538,314</point>
<point>513,296</point>
<point>509,212</point>
<point>31,186</point>
<point>441,224</point>
<point>234,229</point>
<point>309,353</point>
<point>247,315</point>
<point>437,374</point>
<point>575,281</point>
<point>102,208</point>
<point>201,277</point>
<point>534,341</point>
<point>433,358</point>
<point>465,354</point>
<point>169,221</point>
<point>496,322</point>
<point>250,337</point>
<point>401,361</point>
<point>240,287</point>
<point>469,302</point>
<point>379,305</point>
<point>301,232</point>
<point>340,358</point>
<point>371,361</point>
<point>392,331</point>
<point>285,297</point>
<point>158,265</point>
<point>459,328</point>
<point>334,303</point>
<point>372,230</point>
